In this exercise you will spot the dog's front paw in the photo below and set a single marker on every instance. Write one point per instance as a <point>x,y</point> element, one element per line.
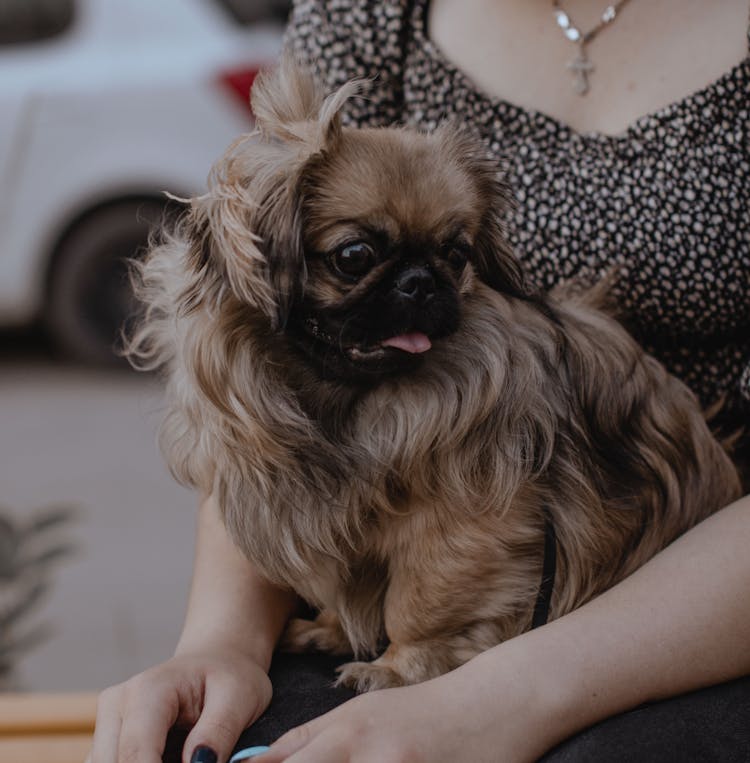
<point>324,634</point>
<point>368,676</point>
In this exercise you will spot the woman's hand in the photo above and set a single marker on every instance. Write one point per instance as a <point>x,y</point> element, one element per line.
<point>389,726</point>
<point>218,678</point>
<point>221,692</point>
<point>446,720</point>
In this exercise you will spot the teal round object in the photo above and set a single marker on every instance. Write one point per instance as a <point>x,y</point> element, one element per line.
<point>247,753</point>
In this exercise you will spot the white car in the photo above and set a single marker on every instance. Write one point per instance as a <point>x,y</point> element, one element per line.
<point>104,105</point>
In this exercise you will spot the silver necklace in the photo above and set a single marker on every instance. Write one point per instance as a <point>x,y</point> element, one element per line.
<point>581,66</point>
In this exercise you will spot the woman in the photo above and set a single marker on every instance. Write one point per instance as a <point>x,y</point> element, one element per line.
<point>665,196</point>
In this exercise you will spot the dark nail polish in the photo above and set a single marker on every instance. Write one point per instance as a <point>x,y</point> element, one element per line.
<point>203,754</point>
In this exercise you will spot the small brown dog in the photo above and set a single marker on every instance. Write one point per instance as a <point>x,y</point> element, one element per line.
<point>387,412</point>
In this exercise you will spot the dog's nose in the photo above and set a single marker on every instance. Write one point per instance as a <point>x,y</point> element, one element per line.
<point>416,284</point>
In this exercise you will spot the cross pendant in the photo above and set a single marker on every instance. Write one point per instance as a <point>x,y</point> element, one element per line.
<point>581,68</point>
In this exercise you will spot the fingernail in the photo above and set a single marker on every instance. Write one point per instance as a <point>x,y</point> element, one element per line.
<point>203,754</point>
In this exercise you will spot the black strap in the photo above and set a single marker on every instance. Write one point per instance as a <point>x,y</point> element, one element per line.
<point>544,597</point>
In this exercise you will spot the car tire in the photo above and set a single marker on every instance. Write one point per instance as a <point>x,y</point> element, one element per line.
<point>90,300</point>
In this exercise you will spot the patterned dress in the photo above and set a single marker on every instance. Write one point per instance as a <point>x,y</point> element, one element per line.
<point>667,201</point>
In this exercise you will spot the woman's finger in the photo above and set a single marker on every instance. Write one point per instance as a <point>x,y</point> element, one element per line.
<point>147,720</point>
<point>287,745</point>
<point>326,747</point>
<point>295,739</point>
<point>229,707</point>
<point>108,724</point>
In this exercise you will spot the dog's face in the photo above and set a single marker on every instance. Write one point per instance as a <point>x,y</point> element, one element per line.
<point>369,239</point>
<point>389,223</point>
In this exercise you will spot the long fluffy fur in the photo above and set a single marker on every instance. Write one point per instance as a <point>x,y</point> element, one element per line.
<point>415,510</point>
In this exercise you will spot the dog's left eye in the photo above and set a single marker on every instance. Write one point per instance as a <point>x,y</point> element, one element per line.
<point>457,255</point>
<point>354,260</point>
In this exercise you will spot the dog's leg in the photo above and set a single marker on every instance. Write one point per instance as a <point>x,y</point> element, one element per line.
<point>399,665</point>
<point>432,625</point>
<point>324,634</point>
<point>412,662</point>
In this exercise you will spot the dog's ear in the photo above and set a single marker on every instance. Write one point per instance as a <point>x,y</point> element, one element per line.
<point>290,105</point>
<point>280,228</point>
<point>253,246</point>
<point>250,223</point>
<point>494,260</point>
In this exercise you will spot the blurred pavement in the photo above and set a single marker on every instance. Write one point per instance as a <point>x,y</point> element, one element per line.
<point>88,438</point>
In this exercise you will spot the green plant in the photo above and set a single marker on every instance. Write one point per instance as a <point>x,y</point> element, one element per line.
<point>29,552</point>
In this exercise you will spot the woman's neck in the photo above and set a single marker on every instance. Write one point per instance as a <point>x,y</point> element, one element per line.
<point>654,53</point>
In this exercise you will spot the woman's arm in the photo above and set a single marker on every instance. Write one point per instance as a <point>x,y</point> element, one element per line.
<point>679,623</point>
<point>217,679</point>
<point>230,603</point>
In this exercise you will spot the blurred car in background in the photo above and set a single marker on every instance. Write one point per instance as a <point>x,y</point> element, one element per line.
<point>104,105</point>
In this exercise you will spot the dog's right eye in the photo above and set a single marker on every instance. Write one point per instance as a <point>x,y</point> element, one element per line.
<point>456,254</point>
<point>353,260</point>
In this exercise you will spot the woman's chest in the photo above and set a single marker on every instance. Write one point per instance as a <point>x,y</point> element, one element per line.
<point>650,55</point>
<point>670,209</point>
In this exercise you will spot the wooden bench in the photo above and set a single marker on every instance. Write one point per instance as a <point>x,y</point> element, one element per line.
<point>54,728</point>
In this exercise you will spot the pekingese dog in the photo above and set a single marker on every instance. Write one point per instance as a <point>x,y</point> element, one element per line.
<point>395,424</point>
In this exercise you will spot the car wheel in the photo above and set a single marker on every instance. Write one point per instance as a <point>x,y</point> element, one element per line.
<point>90,298</point>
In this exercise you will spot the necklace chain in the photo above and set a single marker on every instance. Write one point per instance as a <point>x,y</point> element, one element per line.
<point>581,66</point>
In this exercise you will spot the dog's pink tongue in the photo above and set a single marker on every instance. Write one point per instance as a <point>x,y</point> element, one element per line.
<point>414,343</point>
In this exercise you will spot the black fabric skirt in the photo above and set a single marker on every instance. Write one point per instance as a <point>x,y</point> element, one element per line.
<point>707,726</point>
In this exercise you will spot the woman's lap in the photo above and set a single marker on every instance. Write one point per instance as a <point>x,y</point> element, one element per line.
<point>709,725</point>
<point>302,690</point>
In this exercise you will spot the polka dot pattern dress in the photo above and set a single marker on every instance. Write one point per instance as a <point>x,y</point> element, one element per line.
<point>667,201</point>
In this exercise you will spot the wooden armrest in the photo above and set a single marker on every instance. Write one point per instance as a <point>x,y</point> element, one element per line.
<point>31,714</point>
<point>48,748</point>
<point>55,728</point>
